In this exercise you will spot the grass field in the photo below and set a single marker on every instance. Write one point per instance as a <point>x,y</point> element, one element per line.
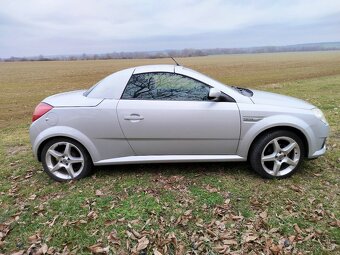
<point>210,208</point>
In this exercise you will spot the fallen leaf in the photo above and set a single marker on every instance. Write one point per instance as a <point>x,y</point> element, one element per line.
<point>112,237</point>
<point>237,217</point>
<point>250,238</point>
<point>273,230</point>
<point>310,236</point>
<point>146,224</point>
<point>296,188</point>
<point>211,189</point>
<point>227,201</point>
<point>230,242</point>
<point>142,244</point>
<point>92,215</point>
<point>34,238</point>
<point>187,213</point>
<point>110,222</point>
<point>134,222</point>
<point>335,223</point>
<point>311,200</point>
<point>263,215</point>
<point>130,235</point>
<point>32,197</point>
<point>291,239</point>
<point>4,230</point>
<point>99,249</point>
<point>172,238</point>
<point>222,249</point>
<point>51,251</point>
<point>156,252</point>
<point>276,249</point>
<point>99,193</point>
<point>53,221</point>
<point>18,252</point>
<point>42,250</point>
<point>136,234</point>
<point>297,228</point>
<point>212,233</point>
<point>66,251</point>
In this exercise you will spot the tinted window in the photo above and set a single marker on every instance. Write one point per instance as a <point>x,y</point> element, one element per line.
<point>165,86</point>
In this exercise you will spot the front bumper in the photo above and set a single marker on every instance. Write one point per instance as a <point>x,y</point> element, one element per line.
<point>317,144</point>
<point>319,152</point>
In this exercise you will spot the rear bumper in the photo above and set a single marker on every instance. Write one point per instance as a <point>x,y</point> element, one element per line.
<point>34,132</point>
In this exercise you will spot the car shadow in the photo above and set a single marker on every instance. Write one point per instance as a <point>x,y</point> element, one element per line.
<point>189,169</point>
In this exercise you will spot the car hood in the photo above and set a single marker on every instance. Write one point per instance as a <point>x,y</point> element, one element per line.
<point>72,99</point>
<point>268,98</point>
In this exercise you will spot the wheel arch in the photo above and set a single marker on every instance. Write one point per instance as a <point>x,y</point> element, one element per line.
<point>252,131</point>
<point>42,144</point>
<point>294,130</point>
<point>69,133</point>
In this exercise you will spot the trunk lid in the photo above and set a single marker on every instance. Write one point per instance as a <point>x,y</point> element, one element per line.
<point>72,99</point>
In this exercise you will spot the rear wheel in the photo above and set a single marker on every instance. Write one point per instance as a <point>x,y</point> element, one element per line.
<point>64,159</point>
<point>277,154</point>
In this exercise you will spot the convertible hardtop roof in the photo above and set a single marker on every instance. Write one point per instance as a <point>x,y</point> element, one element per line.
<point>154,68</point>
<point>171,69</point>
<point>103,89</point>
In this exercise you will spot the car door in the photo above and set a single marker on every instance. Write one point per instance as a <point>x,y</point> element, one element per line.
<point>170,114</point>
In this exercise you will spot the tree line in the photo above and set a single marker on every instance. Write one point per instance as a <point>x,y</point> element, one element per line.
<point>180,53</point>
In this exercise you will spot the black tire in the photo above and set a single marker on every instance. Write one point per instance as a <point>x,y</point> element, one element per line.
<point>79,153</point>
<point>266,144</point>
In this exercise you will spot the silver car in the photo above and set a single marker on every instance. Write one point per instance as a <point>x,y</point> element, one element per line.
<point>169,113</point>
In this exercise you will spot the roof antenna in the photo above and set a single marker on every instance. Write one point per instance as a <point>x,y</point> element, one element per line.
<point>175,61</point>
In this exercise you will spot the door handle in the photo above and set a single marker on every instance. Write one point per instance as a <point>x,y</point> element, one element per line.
<point>134,117</point>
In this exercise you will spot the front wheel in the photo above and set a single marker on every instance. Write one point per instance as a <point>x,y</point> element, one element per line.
<point>64,159</point>
<point>277,154</point>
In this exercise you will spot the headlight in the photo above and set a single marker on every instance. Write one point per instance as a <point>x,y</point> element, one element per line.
<point>319,114</point>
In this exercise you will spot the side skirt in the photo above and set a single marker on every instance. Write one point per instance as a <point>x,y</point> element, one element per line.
<point>169,159</point>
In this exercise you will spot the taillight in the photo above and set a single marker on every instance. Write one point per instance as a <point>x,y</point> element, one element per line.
<point>40,110</point>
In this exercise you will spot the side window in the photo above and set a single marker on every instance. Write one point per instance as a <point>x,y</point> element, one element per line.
<point>165,86</point>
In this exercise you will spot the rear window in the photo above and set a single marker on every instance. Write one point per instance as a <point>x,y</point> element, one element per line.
<point>110,87</point>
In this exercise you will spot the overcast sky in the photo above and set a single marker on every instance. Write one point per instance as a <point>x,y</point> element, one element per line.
<point>52,27</point>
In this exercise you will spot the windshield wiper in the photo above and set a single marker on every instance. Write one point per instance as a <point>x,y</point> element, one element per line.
<point>243,91</point>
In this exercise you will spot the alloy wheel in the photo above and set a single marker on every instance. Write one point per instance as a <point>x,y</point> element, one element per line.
<point>64,160</point>
<point>280,156</point>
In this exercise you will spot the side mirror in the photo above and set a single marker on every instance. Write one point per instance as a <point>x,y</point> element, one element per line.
<point>214,93</point>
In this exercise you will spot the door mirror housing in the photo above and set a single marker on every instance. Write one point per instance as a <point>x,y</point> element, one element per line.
<point>214,94</point>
